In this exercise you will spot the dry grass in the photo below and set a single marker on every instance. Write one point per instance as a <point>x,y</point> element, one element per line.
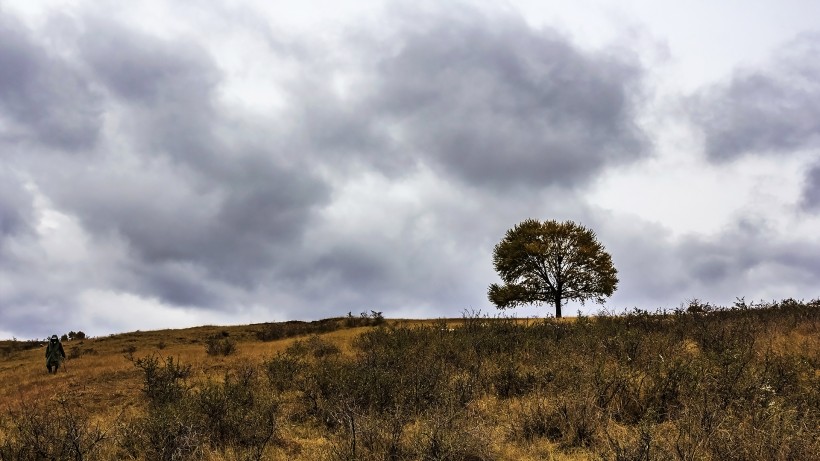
<point>100,374</point>
<point>581,389</point>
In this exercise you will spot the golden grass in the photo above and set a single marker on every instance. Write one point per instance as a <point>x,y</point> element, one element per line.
<point>107,380</point>
<point>101,374</point>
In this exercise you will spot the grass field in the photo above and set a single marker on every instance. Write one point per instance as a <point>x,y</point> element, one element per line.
<point>699,383</point>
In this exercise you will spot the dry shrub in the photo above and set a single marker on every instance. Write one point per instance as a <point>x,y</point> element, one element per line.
<point>165,433</point>
<point>449,434</point>
<point>293,328</point>
<point>368,436</point>
<point>645,442</point>
<point>237,412</point>
<point>57,429</point>
<point>572,422</point>
<point>164,382</point>
<point>220,344</point>
<point>182,422</point>
<point>536,419</point>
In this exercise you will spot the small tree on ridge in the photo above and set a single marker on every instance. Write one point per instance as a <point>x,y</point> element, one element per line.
<point>549,262</point>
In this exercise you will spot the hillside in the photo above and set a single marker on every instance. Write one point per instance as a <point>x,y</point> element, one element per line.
<point>702,383</point>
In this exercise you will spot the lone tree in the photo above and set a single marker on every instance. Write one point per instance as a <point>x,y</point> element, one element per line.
<point>549,262</point>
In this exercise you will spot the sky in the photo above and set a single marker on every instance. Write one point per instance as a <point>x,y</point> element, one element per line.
<point>171,164</point>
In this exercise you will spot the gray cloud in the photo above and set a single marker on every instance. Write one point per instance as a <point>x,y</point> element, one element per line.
<point>738,260</point>
<point>497,103</point>
<point>43,99</point>
<point>16,206</point>
<point>770,110</point>
<point>485,99</point>
<point>393,163</point>
<point>810,198</point>
<point>181,194</point>
<point>748,259</point>
<point>166,89</point>
<point>200,210</point>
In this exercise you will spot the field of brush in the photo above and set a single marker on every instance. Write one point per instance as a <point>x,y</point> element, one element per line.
<point>701,383</point>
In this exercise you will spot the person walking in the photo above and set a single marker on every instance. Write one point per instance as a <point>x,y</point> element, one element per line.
<point>54,354</point>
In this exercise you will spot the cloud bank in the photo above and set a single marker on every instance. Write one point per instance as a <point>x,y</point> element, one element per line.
<point>150,176</point>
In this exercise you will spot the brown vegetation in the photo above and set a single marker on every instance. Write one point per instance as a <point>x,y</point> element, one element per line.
<point>741,383</point>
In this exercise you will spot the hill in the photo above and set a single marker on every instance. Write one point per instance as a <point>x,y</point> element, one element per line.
<point>701,383</point>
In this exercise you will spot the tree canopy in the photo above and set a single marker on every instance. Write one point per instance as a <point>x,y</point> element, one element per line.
<point>550,262</point>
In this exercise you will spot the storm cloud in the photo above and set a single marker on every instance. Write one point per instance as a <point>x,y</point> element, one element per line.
<point>772,109</point>
<point>810,198</point>
<point>484,99</point>
<point>43,98</point>
<point>223,168</point>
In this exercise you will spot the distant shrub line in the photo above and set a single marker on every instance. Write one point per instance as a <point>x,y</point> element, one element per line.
<point>9,347</point>
<point>294,328</point>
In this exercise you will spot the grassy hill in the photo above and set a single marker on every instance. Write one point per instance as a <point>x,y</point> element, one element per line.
<point>701,383</point>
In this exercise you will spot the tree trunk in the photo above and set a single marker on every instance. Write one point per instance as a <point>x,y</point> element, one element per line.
<point>558,307</point>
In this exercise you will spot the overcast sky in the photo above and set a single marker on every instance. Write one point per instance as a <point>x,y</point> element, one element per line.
<point>167,164</point>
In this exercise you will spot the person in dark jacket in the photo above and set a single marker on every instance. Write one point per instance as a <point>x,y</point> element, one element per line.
<point>54,354</point>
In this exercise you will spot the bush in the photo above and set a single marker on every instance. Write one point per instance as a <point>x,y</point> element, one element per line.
<point>236,413</point>
<point>536,420</point>
<point>314,346</point>
<point>284,370</point>
<point>60,429</point>
<point>165,433</point>
<point>293,328</point>
<point>9,347</point>
<point>364,319</point>
<point>163,382</point>
<point>183,422</point>
<point>220,345</point>
<point>449,434</point>
<point>79,351</point>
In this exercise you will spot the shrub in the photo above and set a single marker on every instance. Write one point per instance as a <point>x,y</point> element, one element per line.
<point>220,345</point>
<point>236,413</point>
<point>364,319</point>
<point>181,422</point>
<point>511,381</point>
<point>164,433</point>
<point>72,335</point>
<point>78,351</point>
<point>9,347</point>
<point>283,370</point>
<point>314,346</point>
<point>536,419</point>
<point>368,436</point>
<point>163,382</point>
<point>59,429</point>
<point>640,446</point>
<point>449,433</point>
<point>290,329</point>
